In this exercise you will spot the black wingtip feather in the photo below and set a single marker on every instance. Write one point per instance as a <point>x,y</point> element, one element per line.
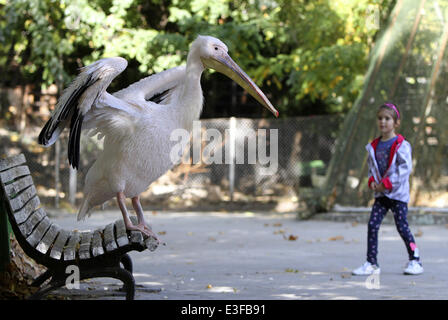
<point>45,134</point>
<point>74,139</point>
<point>68,109</point>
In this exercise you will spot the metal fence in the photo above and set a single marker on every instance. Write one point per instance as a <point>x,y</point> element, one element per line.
<point>229,159</point>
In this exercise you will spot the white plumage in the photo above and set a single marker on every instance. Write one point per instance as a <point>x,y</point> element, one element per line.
<point>136,131</point>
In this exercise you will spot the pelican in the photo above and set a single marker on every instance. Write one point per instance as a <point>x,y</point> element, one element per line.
<point>136,131</point>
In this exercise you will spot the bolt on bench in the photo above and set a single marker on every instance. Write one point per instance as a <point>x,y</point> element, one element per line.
<point>97,253</point>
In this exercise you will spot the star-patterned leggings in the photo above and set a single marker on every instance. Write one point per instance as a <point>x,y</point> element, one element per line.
<point>379,210</point>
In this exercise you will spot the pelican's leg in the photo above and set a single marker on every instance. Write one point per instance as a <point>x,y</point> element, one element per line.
<point>121,199</point>
<point>140,218</point>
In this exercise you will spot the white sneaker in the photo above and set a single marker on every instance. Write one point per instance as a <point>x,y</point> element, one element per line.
<point>366,269</point>
<point>414,267</point>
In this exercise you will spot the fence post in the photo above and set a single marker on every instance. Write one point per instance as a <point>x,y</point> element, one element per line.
<point>72,186</point>
<point>232,139</point>
<point>5,230</point>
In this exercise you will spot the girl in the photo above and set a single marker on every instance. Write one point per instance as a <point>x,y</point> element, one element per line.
<point>390,164</point>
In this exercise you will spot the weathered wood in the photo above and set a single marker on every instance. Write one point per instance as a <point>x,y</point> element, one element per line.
<point>38,233</point>
<point>97,243</point>
<point>58,247</point>
<point>19,202</point>
<point>13,161</point>
<point>136,237</point>
<point>27,227</point>
<point>13,189</point>
<point>13,173</point>
<point>121,234</point>
<point>109,238</point>
<point>86,241</point>
<point>69,252</point>
<point>23,214</point>
<point>47,241</point>
<point>151,243</point>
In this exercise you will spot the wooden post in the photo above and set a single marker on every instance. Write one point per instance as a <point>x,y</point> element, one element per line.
<point>5,230</point>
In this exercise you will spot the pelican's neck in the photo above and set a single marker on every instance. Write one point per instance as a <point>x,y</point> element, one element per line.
<point>191,98</point>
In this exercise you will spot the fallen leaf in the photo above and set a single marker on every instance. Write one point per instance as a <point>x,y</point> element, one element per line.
<point>211,239</point>
<point>419,233</point>
<point>292,237</point>
<point>291,270</point>
<point>161,233</point>
<point>279,231</point>
<point>336,238</point>
<point>354,223</point>
<point>209,286</point>
<point>277,224</point>
<point>346,275</point>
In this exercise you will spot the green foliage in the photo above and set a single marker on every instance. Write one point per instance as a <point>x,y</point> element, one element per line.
<point>302,52</point>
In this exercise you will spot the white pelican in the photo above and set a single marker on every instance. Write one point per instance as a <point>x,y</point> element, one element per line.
<point>136,131</point>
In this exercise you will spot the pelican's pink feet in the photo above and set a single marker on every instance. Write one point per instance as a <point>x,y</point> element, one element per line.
<point>143,228</point>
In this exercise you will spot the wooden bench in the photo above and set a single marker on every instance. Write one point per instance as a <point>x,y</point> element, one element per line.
<point>98,253</point>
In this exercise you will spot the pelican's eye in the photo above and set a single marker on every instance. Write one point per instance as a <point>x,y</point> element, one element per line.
<point>216,48</point>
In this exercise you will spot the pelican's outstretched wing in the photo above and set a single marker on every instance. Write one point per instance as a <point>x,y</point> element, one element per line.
<point>159,85</point>
<point>79,100</point>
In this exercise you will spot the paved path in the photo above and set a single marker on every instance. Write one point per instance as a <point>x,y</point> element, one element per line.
<point>270,256</point>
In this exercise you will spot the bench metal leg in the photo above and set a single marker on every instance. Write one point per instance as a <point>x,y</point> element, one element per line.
<point>126,261</point>
<point>41,279</point>
<point>44,290</point>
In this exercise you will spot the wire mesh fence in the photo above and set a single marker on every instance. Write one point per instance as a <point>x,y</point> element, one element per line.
<point>228,159</point>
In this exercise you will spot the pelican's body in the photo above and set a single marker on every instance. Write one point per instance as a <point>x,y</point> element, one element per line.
<point>134,159</point>
<point>136,131</point>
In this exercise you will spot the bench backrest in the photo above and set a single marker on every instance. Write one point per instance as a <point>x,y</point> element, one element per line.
<point>31,225</point>
<point>45,241</point>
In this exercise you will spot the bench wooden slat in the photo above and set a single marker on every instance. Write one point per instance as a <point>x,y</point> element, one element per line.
<point>27,227</point>
<point>136,237</point>
<point>70,250</point>
<point>97,243</point>
<point>109,238</point>
<point>58,247</point>
<point>13,189</point>
<point>13,161</point>
<point>23,214</point>
<point>19,202</point>
<point>47,241</point>
<point>38,233</point>
<point>13,173</point>
<point>84,249</point>
<point>121,234</point>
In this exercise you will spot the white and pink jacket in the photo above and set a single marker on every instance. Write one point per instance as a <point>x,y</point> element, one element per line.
<point>396,177</point>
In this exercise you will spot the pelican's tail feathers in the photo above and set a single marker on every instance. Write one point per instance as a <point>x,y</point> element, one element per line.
<point>85,209</point>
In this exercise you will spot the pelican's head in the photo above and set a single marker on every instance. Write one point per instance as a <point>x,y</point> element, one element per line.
<point>213,54</point>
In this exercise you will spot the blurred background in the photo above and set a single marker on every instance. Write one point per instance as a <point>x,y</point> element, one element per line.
<point>325,65</point>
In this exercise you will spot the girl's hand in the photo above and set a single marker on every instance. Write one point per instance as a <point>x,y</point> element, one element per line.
<point>380,188</point>
<point>373,186</point>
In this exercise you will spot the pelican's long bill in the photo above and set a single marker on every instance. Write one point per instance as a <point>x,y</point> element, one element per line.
<point>225,65</point>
